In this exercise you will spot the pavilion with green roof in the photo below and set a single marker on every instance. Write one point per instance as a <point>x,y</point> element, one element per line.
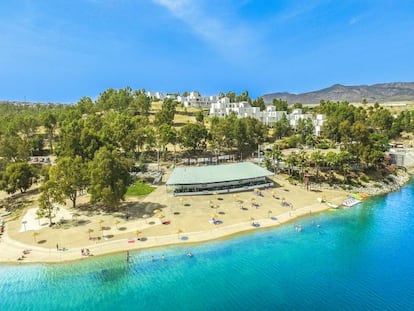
<point>193,180</point>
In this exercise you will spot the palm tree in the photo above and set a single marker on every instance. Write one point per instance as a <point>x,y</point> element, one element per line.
<point>317,158</point>
<point>302,161</point>
<point>331,159</point>
<point>291,161</point>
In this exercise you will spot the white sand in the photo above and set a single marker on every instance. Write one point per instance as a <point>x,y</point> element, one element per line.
<point>192,222</point>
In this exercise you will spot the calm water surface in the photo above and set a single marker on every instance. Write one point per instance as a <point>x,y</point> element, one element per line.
<point>352,259</point>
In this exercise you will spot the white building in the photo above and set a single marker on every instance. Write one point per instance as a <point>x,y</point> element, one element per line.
<point>269,116</point>
<point>156,95</point>
<point>195,100</point>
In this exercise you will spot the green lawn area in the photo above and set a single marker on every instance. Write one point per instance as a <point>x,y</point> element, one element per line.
<point>139,188</point>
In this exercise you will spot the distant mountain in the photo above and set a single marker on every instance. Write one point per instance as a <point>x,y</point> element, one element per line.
<point>384,92</point>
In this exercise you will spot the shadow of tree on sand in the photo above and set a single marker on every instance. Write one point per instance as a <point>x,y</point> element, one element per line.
<point>135,210</point>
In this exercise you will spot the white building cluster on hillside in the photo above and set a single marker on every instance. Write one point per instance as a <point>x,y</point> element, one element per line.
<point>222,107</point>
<point>269,116</point>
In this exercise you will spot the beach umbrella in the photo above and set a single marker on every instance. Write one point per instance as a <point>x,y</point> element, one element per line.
<point>160,215</point>
<point>145,216</point>
<point>24,222</point>
<point>117,222</point>
<point>137,232</point>
<point>35,234</point>
<point>75,216</point>
<point>268,213</point>
<point>89,232</point>
<point>178,232</point>
<point>214,216</point>
<point>156,211</point>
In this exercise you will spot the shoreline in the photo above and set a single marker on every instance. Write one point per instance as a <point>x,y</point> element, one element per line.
<point>11,249</point>
<point>108,248</point>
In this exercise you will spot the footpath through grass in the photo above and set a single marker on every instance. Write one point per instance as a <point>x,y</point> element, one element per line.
<point>139,188</point>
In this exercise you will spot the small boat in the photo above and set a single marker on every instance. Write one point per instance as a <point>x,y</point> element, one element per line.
<point>332,205</point>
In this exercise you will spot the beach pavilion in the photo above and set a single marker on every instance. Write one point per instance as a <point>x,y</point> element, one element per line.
<point>210,179</point>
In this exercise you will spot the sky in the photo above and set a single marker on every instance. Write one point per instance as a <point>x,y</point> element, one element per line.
<point>61,50</point>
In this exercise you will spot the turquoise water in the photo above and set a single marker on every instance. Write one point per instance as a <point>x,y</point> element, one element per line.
<point>352,259</point>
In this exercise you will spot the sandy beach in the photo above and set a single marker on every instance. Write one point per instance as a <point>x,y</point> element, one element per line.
<point>156,220</point>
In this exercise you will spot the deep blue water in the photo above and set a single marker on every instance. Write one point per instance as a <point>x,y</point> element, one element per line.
<point>351,259</point>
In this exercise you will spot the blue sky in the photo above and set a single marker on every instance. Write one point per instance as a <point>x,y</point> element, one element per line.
<point>59,51</point>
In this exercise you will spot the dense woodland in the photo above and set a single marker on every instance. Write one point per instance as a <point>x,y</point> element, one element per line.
<point>98,143</point>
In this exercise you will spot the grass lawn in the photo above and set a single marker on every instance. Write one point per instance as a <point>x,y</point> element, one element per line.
<point>139,188</point>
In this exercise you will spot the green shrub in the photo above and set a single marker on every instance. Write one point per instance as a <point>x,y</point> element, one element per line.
<point>139,188</point>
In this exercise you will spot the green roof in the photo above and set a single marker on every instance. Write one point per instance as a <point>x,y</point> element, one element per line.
<point>189,175</point>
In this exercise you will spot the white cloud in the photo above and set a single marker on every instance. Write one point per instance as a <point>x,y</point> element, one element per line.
<point>231,38</point>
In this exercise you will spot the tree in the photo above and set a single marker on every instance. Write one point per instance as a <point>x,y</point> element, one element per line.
<point>117,100</point>
<point>14,148</point>
<point>256,131</point>
<point>259,102</point>
<point>70,176</point>
<point>302,161</point>
<point>317,158</point>
<point>291,161</point>
<point>18,176</point>
<point>231,96</point>
<point>331,159</point>
<point>193,136</point>
<point>141,103</point>
<point>165,134</point>
<point>167,112</point>
<point>36,145</point>
<point>272,158</point>
<point>244,97</point>
<point>305,128</point>
<point>50,193</point>
<point>280,105</point>
<point>382,120</point>
<point>199,116</point>
<point>49,121</point>
<point>282,128</point>
<point>109,177</point>
<point>85,105</point>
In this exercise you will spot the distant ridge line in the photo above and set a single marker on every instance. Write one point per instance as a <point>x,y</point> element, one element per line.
<point>381,92</point>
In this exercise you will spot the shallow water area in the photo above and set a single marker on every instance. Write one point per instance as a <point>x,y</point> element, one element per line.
<point>356,258</point>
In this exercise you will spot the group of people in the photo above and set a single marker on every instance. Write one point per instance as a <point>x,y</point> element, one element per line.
<point>85,252</point>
